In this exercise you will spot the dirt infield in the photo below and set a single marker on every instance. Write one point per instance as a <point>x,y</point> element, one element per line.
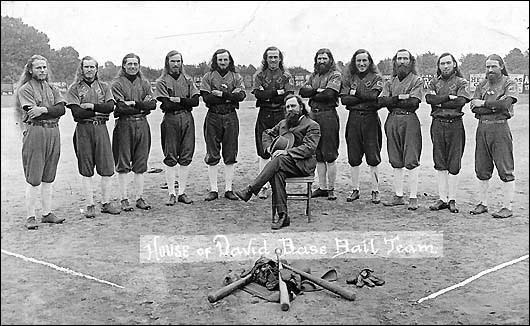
<point>108,246</point>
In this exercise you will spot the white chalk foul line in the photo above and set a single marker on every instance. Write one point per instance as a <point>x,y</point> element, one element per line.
<point>59,268</point>
<point>468,280</point>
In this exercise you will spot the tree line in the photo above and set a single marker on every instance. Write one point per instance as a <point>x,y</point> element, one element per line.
<point>20,41</point>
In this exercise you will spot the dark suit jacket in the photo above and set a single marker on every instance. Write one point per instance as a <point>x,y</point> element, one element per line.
<point>306,138</point>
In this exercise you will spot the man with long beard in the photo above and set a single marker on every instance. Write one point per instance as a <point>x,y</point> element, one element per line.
<point>222,89</point>
<point>323,89</point>
<point>131,138</point>
<point>271,84</point>
<point>296,161</point>
<point>493,105</point>
<point>448,93</point>
<point>178,94</point>
<point>401,95</point>
<point>91,102</point>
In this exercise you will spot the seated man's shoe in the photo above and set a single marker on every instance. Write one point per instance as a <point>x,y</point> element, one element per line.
<point>375,197</point>
<point>230,195</point>
<point>503,213</point>
<point>212,195</point>
<point>331,194</point>
<point>438,205</point>
<point>353,196</point>
<point>319,193</point>
<point>172,200</point>
<point>413,204</point>
<point>452,206</point>
<point>396,200</point>
<point>142,204</point>
<point>245,194</point>
<point>479,209</point>
<point>263,193</point>
<point>110,209</point>
<point>31,223</point>
<point>51,218</point>
<point>90,211</point>
<point>125,206</point>
<point>282,221</point>
<point>184,199</point>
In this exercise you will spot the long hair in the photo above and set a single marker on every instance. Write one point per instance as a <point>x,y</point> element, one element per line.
<point>79,72</point>
<point>299,100</point>
<point>412,62</point>
<point>501,62</point>
<point>330,56</point>
<point>456,69</point>
<point>171,53</point>
<point>265,64</point>
<point>214,66</point>
<point>26,75</point>
<point>352,69</point>
<point>122,72</point>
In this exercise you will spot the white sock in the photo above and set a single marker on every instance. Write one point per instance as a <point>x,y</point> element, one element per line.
<point>212,175</point>
<point>105,186</point>
<point>452,181</point>
<point>442,183</point>
<point>183,179</point>
<point>46,193</point>
<point>374,176</point>
<point>332,174</point>
<point>139,184</point>
<point>483,194</point>
<point>322,172</point>
<point>508,189</point>
<point>170,179</point>
<point>89,192</point>
<point>229,176</point>
<point>31,196</point>
<point>413,183</point>
<point>123,179</point>
<point>398,181</point>
<point>355,171</point>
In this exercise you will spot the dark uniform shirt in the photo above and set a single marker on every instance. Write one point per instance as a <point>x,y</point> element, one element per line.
<point>506,87</point>
<point>273,80</point>
<point>96,93</point>
<point>455,85</point>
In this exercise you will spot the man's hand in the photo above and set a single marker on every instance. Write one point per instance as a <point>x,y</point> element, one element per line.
<point>320,90</point>
<point>217,93</point>
<point>130,103</point>
<point>37,111</point>
<point>279,152</point>
<point>477,103</point>
<point>353,91</point>
<point>175,99</point>
<point>87,106</point>
<point>280,92</point>
<point>403,96</point>
<point>237,90</point>
<point>453,97</point>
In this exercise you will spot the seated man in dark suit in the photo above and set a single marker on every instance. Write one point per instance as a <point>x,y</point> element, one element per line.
<point>297,160</point>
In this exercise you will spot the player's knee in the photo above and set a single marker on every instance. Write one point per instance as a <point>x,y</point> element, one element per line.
<point>507,177</point>
<point>212,160</point>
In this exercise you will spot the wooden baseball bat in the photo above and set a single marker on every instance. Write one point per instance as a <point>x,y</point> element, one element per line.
<point>346,294</point>
<point>223,292</point>
<point>284,294</point>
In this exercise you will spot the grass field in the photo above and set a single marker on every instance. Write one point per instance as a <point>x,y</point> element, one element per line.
<point>108,247</point>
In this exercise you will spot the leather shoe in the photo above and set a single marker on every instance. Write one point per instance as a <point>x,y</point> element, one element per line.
<point>31,223</point>
<point>212,195</point>
<point>284,220</point>
<point>230,195</point>
<point>172,200</point>
<point>438,205</point>
<point>263,193</point>
<point>125,206</point>
<point>375,197</point>
<point>413,204</point>
<point>90,211</point>
<point>109,209</point>
<point>452,206</point>
<point>246,193</point>
<point>51,218</point>
<point>319,193</point>
<point>331,194</point>
<point>479,209</point>
<point>142,204</point>
<point>184,199</point>
<point>396,200</point>
<point>503,213</point>
<point>353,196</point>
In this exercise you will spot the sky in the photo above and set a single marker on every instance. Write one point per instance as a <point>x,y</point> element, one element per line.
<point>109,30</point>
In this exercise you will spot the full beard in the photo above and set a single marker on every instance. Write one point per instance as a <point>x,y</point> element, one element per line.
<point>323,68</point>
<point>292,119</point>
<point>403,71</point>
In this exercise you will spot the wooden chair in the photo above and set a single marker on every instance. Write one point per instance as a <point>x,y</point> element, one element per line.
<point>306,196</point>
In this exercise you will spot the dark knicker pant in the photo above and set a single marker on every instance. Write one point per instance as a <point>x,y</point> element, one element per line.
<point>177,132</point>
<point>131,143</point>
<point>221,130</point>
<point>448,141</point>
<point>494,145</point>
<point>364,137</point>
<point>92,148</point>
<point>41,149</point>
<point>403,134</point>
<point>267,119</point>
<point>275,172</point>
<point>328,146</point>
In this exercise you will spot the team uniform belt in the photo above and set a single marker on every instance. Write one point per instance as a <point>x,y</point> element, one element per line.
<point>132,118</point>
<point>43,123</point>
<point>361,112</point>
<point>92,122</point>
<point>176,112</point>
<point>447,120</point>
<point>492,121</point>
<point>401,112</point>
<point>322,109</point>
<point>221,109</point>
<point>278,109</point>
